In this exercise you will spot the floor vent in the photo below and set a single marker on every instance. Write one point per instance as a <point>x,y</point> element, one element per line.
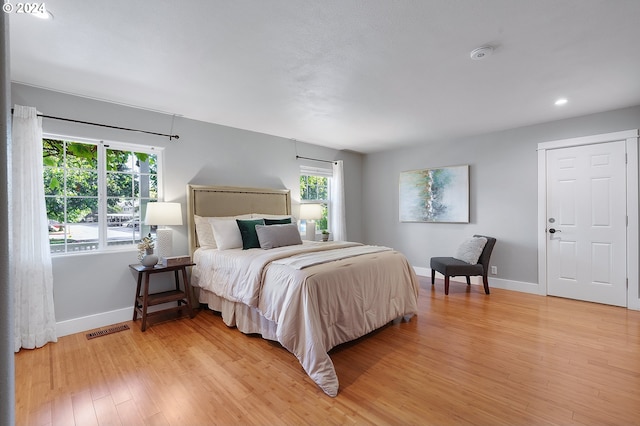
<point>111,330</point>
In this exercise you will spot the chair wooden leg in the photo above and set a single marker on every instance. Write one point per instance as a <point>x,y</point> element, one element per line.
<point>468,280</point>
<point>433,277</point>
<point>485,281</point>
<point>446,284</point>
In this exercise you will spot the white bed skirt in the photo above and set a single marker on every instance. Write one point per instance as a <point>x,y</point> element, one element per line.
<point>245,318</point>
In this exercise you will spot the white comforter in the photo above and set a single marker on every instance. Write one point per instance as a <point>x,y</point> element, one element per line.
<point>317,302</point>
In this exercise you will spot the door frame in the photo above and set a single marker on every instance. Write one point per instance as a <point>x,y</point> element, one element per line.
<point>632,191</point>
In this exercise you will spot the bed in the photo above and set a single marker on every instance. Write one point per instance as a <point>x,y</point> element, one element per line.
<point>308,296</point>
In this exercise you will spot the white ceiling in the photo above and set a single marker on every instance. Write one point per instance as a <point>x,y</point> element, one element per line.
<point>347,74</point>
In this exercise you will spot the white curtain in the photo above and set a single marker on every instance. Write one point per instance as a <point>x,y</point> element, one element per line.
<point>338,220</point>
<point>31,271</point>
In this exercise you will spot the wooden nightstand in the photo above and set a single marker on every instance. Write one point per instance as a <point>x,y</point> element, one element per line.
<point>146,299</point>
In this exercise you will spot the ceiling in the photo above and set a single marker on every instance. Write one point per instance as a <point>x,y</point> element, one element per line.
<point>348,74</point>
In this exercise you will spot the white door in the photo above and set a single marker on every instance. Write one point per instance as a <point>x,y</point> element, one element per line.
<point>586,223</point>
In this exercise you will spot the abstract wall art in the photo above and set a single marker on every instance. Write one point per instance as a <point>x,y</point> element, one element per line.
<point>435,195</point>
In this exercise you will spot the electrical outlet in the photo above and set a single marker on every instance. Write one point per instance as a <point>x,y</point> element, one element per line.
<point>494,270</point>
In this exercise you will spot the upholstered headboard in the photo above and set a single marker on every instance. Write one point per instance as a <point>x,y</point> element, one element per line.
<point>215,201</point>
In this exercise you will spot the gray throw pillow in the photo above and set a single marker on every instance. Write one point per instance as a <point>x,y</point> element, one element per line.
<point>272,236</point>
<point>471,249</point>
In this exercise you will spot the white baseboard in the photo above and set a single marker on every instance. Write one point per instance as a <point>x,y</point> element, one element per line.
<point>522,286</point>
<point>91,322</point>
<point>423,272</point>
<point>78,325</point>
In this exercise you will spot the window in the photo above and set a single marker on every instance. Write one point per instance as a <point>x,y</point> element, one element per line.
<point>314,188</point>
<point>96,193</point>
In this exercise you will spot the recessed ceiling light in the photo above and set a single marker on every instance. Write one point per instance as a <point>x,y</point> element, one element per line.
<point>42,13</point>
<point>561,101</point>
<point>48,16</point>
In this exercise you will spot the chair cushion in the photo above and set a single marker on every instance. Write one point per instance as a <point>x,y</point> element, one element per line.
<point>454,267</point>
<point>471,249</point>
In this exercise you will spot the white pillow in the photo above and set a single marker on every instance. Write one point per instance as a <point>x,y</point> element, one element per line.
<point>471,249</point>
<point>204,232</point>
<point>226,233</point>
<point>204,228</point>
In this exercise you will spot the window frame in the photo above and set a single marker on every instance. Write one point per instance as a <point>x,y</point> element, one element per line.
<point>102,147</point>
<point>317,172</point>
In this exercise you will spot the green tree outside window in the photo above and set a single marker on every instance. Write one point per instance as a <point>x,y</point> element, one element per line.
<point>73,184</point>
<point>315,189</point>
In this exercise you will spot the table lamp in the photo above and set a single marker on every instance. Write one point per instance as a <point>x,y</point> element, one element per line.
<point>163,214</point>
<point>310,213</point>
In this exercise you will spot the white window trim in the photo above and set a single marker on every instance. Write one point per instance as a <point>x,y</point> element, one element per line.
<point>321,172</point>
<point>102,196</point>
<point>316,171</point>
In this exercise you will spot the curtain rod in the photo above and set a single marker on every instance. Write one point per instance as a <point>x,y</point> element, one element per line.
<point>315,159</point>
<point>171,137</point>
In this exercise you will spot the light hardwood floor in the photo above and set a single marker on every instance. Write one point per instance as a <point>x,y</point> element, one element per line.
<point>508,358</point>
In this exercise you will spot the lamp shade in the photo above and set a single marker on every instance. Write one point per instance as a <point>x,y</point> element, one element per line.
<point>310,211</point>
<point>163,214</point>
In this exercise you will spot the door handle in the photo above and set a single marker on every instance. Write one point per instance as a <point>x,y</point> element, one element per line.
<point>553,231</point>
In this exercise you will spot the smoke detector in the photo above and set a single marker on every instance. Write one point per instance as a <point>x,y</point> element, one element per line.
<point>481,52</point>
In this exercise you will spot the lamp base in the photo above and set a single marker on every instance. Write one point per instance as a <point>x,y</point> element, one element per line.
<point>164,243</point>
<point>311,231</point>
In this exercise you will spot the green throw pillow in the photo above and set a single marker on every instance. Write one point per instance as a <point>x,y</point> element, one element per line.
<point>277,221</point>
<point>248,233</point>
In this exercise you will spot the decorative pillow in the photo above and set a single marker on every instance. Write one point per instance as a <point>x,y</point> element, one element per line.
<point>471,249</point>
<point>204,232</point>
<point>277,221</point>
<point>248,233</point>
<point>272,236</point>
<point>273,216</point>
<point>226,233</point>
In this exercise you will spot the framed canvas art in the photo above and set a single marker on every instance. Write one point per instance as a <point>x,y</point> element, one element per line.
<point>435,195</point>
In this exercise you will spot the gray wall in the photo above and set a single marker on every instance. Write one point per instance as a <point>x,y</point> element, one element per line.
<point>504,198</point>
<point>91,284</point>
<point>503,187</point>
<point>7,370</point>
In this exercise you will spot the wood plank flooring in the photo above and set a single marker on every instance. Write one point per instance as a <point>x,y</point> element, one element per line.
<point>505,359</point>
